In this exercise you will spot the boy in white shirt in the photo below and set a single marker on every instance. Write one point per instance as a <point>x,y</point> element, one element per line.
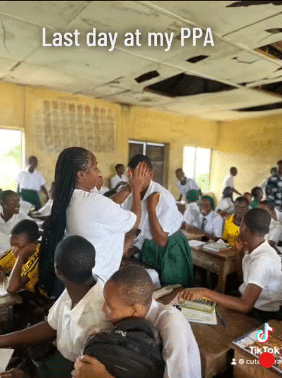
<point>185,184</point>
<point>229,180</point>
<point>275,228</point>
<point>73,315</point>
<point>128,293</point>
<point>120,178</point>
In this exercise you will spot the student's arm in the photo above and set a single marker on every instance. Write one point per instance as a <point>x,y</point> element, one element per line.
<point>156,230</point>
<point>180,197</point>
<point>128,243</point>
<point>16,281</point>
<point>44,190</point>
<point>244,304</point>
<point>39,333</point>
<point>236,191</point>
<point>121,196</point>
<point>89,367</point>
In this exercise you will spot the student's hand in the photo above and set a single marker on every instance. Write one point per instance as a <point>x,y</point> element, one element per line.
<point>153,200</point>
<point>137,178</point>
<point>13,373</point>
<point>89,367</point>
<point>239,244</point>
<point>190,295</point>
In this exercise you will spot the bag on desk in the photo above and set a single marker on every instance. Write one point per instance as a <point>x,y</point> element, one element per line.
<point>132,349</point>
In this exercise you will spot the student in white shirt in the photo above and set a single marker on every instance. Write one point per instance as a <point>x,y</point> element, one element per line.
<point>275,228</point>
<point>162,244</point>
<point>128,293</point>
<point>192,210</point>
<point>229,180</point>
<point>209,222</point>
<point>98,219</point>
<point>45,211</point>
<point>30,182</point>
<point>9,217</point>
<point>261,291</point>
<point>185,184</point>
<point>74,314</point>
<point>119,178</point>
<point>100,188</point>
<point>226,204</point>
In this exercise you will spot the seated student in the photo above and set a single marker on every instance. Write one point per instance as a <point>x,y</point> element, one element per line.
<point>120,178</point>
<point>261,290</point>
<point>275,228</point>
<point>232,224</point>
<point>128,293</point>
<point>75,312</point>
<point>226,204</point>
<point>209,222</point>
<point>163,246</point>
<point>257,194</point>
<point>45,211</point>
<point>248,196</point>
<point>23,258</point>
<point>9,217</point>
<point>100,188</point>
<point>185,184</point>
<point>192,211</point>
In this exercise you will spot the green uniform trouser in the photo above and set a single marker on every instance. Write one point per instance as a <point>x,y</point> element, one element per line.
<point>55,366</point>
<point>32,197</point>
<point>173,262</point>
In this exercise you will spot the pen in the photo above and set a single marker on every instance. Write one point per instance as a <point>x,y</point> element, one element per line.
<point>222,321</point>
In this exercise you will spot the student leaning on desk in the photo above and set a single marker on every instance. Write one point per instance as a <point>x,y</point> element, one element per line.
<point>261,291</point>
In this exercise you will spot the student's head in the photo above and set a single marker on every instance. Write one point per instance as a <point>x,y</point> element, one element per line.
<point>32,162</point>
<point>74,260</point>
<point>227,192</point>
<point>206,205</point>
<point>24,237</point>
<point>233,171</point>
<point>279,168</point>
<point>269,206</point>
<point>241,207</point>
<point>248,196</point>
<point>273,171</point>
<point>192,195</point>
<point>179,174</point>
<point>135,160</point>
<point>257,193</point>
<point>128,293</point>
<point>120,169</point>
<point>255,223</point>
<point>10,202</point>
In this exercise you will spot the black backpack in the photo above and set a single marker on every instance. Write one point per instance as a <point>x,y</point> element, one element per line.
<point>132,349</point>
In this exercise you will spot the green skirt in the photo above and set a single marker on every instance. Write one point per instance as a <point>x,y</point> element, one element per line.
<point>173,262</point>
<point>32,197</point>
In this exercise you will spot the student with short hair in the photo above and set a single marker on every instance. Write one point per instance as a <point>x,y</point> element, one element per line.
<point>226,204</point>
<point>185,184</point>
<point>192,211</point>
<point>229,180</point>
<point>161,242</point>
<point>119,178</point>
<point>248,196</point>
<point>22,259</point>
<point>257,194</point>
<point>275,228</point>
<point>128,293</point>
<point>261,290</point>
<point>77,311</point>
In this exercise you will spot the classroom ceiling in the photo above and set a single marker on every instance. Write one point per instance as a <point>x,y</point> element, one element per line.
<point>240,76</point>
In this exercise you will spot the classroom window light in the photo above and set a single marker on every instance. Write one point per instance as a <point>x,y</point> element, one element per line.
<point>196,165</point>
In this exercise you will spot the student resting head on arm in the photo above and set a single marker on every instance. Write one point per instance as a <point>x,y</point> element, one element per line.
<point>128,293</point>
<point>261,290</point>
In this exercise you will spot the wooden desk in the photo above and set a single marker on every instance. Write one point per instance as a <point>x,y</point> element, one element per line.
<point>6,309</point>
<point>215,341</point>
<point>222,263</point>
<point>191,236</point>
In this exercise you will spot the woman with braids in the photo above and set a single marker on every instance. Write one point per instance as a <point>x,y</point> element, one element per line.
<point>98,219</point>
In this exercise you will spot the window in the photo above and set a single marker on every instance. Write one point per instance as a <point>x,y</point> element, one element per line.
<point>10,158</point>
<point>196,165</point>
<point>157,152</point>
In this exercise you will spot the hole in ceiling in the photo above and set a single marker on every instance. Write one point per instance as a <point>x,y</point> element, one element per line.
<point>274,31</point>
<point>196,59</point>
<point>250,3</point>
<point>187,85</point>
<point>273,50</point>
<point>260,108</point>
<point>147,76</point>
<point>272,88</point>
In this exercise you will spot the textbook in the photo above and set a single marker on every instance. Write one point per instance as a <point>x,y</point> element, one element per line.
<point>215,247</point>
<point>198,316</point>
<point>201,304</point>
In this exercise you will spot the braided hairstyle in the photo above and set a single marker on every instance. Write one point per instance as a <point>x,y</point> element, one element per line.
<point>70,161</point>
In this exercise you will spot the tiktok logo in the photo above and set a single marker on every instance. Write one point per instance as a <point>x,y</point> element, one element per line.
<point>262,336</point>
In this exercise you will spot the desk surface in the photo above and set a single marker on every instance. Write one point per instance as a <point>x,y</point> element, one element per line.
<point>10,300</point>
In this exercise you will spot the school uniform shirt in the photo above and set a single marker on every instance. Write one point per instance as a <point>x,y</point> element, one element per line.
<point>275,231</point>
<point>25,206</point>
<point>231,231</point>
<point>278,215</point>
<point>189,185</point>
<point>274,190</point>
<point>180,349</point>
<point>116,180</point>
<point>5,230</point>
<point>30,181</point>
<point>167,212</point>
<point>45,210</point>
<point>262,267</point>
<point>192,213</point>
<point>73,325</point>
<point>29,269</point>
<point>213,224</point>
<point>226,204</point>
<point>102,190</point>
<point>104,224</point>
<point>228,181</point>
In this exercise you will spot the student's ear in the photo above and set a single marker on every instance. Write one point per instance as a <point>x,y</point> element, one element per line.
<point>137,310</point>
<point>79,175</point>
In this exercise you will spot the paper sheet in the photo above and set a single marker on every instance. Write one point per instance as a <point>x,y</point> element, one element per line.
<point>199,316</point>
<point>5,356</point>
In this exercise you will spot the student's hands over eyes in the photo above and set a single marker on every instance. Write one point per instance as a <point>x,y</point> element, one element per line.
<point>89,367</point>
<point>13,373</point>
<point>190,294</point>
<point>136,179</point>
<point>153,200</point>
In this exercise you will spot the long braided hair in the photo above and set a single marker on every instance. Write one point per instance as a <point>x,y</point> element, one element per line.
<point>70,161</point>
